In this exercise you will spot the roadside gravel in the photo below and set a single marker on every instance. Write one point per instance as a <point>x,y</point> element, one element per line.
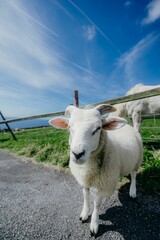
<point>39,202</point>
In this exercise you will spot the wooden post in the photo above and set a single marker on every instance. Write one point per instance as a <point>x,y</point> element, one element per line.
<point>76,98</point>
<point>10,130</point>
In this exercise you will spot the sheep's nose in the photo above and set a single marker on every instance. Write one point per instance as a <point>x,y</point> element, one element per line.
<point>79,155</point>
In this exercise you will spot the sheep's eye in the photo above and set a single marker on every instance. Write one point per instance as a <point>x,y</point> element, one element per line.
<point>97,129</point>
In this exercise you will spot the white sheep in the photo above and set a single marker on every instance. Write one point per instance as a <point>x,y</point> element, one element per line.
<point>99,157</point>
<point>135,109</point>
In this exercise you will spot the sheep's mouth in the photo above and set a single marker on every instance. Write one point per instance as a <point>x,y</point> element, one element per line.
<point>78,161</point>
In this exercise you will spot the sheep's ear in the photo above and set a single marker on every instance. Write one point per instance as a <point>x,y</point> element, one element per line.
<point>59,123</point>
<point>113,123</point>
<point>104,108</point>
<point>69,109</point>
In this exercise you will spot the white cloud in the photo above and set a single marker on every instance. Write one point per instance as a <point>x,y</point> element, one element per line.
<point>89,32</point>
<point>128,62</point>
<point>153,12</point>
<point>26,57</point>
<point>29,65</point>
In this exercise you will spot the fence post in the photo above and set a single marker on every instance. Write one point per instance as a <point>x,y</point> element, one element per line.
<point>10,130</point>
<point>76,98</point>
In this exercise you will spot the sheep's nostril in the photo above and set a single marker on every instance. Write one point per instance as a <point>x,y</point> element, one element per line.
<point>79,155</point>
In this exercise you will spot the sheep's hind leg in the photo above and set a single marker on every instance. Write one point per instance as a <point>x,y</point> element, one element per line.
<point>132,190</point>
<point>95,215</point>
<point>85,210</point>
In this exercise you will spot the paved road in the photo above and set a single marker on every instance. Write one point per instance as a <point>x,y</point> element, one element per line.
<point>38,202</point>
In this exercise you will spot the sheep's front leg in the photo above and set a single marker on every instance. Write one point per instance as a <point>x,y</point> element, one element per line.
<point>85,210</point>
<point>95,215</point>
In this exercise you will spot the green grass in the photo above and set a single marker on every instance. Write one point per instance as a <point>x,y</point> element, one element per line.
<point>44,144</point>
<point>149,174</point>
<point>48,145</point>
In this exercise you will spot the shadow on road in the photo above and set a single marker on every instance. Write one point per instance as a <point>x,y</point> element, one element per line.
<point>135,219</point>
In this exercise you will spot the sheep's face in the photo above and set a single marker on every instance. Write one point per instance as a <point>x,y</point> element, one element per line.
<point>85,126</point>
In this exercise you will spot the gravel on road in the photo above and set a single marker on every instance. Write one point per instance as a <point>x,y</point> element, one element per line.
<point>40,202</point>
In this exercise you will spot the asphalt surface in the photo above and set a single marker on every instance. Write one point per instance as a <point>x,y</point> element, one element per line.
<point>39,202</point>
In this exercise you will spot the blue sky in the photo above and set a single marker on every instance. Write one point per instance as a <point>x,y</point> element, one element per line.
<point>49,48</point>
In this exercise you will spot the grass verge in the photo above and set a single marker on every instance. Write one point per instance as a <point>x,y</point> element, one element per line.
<point>44,144</point>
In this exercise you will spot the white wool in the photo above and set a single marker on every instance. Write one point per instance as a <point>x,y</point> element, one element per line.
<point>122,155</point>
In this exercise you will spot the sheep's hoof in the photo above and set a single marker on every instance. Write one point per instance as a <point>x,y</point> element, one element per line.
<point>94,230</point>
<point>132,194</point>
<point>133,197</point>
<point>82,220</point>
<point>93,234</point>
